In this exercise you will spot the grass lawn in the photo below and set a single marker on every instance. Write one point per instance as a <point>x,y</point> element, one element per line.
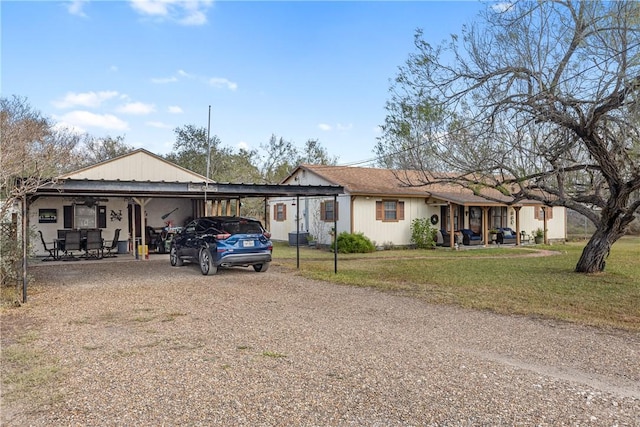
<point>506,280</point>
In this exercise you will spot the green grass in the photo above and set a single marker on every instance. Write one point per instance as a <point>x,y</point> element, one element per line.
<point>503,280</point>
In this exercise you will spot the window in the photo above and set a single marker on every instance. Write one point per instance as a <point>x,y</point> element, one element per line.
<point>280,212</point>
<point>329,211</point>
<point>498,217</point>
<point>389,210</point>
<point>446,216</point>
<point>85,216</point>
<point>539,214</point>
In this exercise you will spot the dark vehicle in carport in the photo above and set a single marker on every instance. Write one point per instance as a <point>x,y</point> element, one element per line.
<point>222,241</point>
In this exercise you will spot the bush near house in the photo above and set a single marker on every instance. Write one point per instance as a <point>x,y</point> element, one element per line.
<point>354,243</point>
<point>423,235</point>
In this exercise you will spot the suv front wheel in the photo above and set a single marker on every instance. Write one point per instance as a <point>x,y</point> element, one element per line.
<point>207,266</point>
<point>174,258</point>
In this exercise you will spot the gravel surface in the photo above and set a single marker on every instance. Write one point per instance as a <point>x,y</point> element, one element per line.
<point>144,344</point>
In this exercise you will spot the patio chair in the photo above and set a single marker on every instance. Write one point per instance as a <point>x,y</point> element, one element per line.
<point>506,236</point>
<point>94,243</point>
<point>52,250</point>
<point>112,246</point>
<point>72,242</point>
<point>469,238</point>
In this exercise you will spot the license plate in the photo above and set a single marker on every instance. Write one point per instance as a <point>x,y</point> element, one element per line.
<point>248,243</point>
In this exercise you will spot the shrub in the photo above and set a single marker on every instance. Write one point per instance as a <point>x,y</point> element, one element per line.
<point>423,235</point>
<point>354,243</point>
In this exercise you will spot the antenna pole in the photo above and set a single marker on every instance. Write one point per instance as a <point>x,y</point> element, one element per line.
<point>206,185</point>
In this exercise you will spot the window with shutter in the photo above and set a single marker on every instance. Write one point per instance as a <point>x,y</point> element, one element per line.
<point>280,212</point>
<point>329,211</point>
<point>539,214</point>
<point>389,210</point>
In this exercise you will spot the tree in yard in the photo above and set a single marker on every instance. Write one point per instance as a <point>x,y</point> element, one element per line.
<point>32,153</point>
<point>33,150</point>
<point>96,150</point>
<point>280,158</point>
<point>539,100</point>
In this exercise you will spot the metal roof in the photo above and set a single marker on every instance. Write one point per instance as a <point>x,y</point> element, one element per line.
<point>86,187</point>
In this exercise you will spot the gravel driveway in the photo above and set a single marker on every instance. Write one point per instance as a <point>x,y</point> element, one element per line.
<point>145,344</point>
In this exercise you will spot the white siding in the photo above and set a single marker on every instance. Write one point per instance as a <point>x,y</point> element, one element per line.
<point>138,166</point>
<point>381,232</point>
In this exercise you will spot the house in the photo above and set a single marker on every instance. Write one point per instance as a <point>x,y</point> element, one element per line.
<point>140,191</point>
<point>376,204</point>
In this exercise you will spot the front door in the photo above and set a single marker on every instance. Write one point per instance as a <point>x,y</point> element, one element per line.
<point>475,219</point>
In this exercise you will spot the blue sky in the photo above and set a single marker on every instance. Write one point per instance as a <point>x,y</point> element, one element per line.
<point>296,69</point>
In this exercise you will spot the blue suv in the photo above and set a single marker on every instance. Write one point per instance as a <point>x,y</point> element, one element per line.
<point>222,241</point>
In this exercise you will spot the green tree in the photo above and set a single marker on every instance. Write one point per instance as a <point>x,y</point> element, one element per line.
<point>95,150</point>
<point>315,154</point>
<point>538,100</point>
<point>279,159</point>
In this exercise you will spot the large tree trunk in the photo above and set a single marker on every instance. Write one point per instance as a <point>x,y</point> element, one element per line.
<point>594,255</point>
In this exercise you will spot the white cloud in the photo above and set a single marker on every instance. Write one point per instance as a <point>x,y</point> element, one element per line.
<point>137,108</point>
<point>84,119</point>
<point>502,7</point>
<point>75,7</point>
<point>86,99</point>
<point>159,125</point>
<point>61,126</point>
<point>183,73</point>
<point>325,127</point>
<point>183,12</point>
<point>164,80</point>
<point>174,109</point>
<point>222,82</point>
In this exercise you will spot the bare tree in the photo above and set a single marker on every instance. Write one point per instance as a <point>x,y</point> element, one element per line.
<point>33,151</point>
<point>538,100</point>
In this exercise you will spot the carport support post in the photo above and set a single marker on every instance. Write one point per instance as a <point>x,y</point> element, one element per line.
<point>335,234</point>
<point>518,237</point>
<point>298,232</point>
<point>143,227</point>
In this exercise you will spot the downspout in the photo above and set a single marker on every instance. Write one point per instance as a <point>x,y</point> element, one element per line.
<point>351,219</point>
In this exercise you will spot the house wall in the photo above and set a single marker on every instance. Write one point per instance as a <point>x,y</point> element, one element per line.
<point>310,221</point>
<point>137,166</point>
<point>388,232</point>
<point>556,227</point>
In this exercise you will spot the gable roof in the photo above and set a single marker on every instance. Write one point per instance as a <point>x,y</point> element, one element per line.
<point>384,182</point>
<point>138,165</point>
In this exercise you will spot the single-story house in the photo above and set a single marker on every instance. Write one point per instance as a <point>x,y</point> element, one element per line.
<point>140,191</point>
<point>376,204</point>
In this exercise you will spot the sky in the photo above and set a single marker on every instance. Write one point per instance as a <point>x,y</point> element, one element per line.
<point>299,70</point>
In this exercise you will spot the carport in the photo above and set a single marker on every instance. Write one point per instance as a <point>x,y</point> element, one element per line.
<point>124,180</point>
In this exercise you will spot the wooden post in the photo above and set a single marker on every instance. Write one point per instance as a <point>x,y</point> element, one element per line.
<point>518,237</point>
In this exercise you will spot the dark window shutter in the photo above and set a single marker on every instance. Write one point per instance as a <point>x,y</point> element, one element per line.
<point>68,216</point>
<point>275,212</point>
<point>335,210</point>
<point>102,217</point>
<point>400,210</point>
<point>323,211</point>
<point>379,211</point>
<point>284,212</point>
